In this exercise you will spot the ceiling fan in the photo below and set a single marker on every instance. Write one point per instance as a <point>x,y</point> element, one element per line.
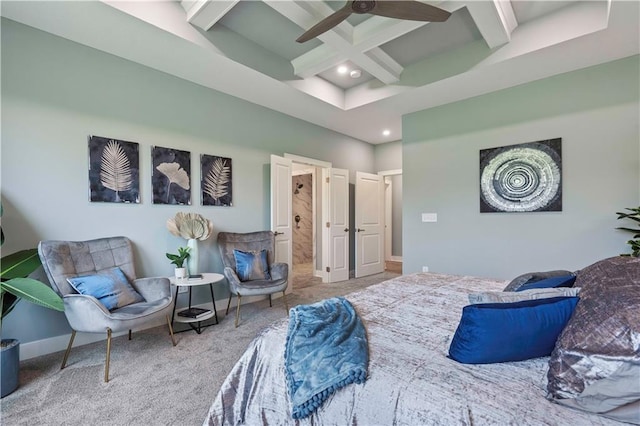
<point>401,9</point>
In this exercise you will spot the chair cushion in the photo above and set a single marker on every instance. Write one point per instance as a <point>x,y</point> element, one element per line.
<point>137,310</point>
<point>110,287</point>
<point>251,265</point>
<point>501,332</point>
<point>552,282</point>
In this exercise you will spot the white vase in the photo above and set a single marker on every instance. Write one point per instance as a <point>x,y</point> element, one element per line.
<point>181,273</point>
<point>192,260</point>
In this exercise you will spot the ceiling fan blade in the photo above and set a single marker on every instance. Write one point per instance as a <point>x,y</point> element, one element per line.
<point>410,10</point>
<point>326,24</point>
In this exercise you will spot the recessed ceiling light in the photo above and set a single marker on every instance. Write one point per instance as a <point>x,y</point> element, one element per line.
<point>342,69</point>
<point>386,132</point>
<point>355,74</point>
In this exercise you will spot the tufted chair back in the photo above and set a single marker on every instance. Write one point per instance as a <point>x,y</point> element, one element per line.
<point>64,259</point>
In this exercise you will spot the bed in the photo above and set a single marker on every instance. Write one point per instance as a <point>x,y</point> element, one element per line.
<point>410,321</point>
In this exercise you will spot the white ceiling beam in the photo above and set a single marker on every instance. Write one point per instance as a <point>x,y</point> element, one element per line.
<point>378,30</point>
<point>205,13</point>
<point>339,43</point>
<point>316,61</point>
<point>495,20</point>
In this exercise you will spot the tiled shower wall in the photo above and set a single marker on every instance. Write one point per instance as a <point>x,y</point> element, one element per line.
<point>302,231</point>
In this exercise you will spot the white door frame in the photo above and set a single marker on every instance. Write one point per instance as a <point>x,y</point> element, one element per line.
<point>388,203</point>
<point>321,165</point>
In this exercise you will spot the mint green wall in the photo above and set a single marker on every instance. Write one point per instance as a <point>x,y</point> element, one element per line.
<point>596,113</point>
<point>55,93</point>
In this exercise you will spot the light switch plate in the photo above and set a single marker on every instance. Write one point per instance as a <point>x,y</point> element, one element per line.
<point>429,217</point>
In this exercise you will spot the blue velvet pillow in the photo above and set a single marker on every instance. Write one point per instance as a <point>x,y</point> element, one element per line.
<point>502,332</point>
<point>552,282</point>
<point>110,287</point>
<point>252,265</point>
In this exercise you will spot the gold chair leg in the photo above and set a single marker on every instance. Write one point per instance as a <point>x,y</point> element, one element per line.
<point>106,365</point>
<point>286,305</point>
<point>170,330</point>
<point>229,303</point>
<point>66,354</point>
<point>129,334</point>
<point>238,310</point>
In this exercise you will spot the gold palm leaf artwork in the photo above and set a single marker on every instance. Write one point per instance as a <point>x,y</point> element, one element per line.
<point>175,174</point>
<point>115,169</point>
<point>217,180</point>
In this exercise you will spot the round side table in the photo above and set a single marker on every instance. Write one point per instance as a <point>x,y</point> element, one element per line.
<point>208,278</point>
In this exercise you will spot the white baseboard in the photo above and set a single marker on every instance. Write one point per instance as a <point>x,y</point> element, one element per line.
<point>59,343</point>
<point>317,273</point>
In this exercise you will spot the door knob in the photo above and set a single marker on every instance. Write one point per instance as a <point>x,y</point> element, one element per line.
<point>346,229</point>
<point>278,233</point>
<point>360,230</point>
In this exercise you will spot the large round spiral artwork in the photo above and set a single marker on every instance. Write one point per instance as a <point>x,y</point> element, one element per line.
<point>521,178</point>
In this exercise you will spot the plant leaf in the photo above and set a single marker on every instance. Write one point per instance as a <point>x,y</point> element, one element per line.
<point>216,181</point>
<point>175,174</point>
<point>19,264</point>
<point>33,291</point>
<point>9,301</point>
<point>115,169</point>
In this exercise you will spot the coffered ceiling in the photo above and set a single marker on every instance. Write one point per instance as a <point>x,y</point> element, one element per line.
<point>247,49</point>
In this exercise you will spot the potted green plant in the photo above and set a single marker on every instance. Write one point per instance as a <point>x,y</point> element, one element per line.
<point>193,227</point>
<point>178,260</point>
<point>14,286</point>
<point>635,242</point>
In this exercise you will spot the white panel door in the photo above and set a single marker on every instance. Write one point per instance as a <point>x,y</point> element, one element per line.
<point>335,219</point>
<point>369,224</point>
<point>281,208</point>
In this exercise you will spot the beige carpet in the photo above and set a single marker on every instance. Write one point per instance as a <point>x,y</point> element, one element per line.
<point>151,382</point>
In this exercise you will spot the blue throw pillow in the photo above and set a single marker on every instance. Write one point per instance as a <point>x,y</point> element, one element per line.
<point>552,282</point>
<point>502,332</point>
<point>110,287</point>
<point>252,265</point>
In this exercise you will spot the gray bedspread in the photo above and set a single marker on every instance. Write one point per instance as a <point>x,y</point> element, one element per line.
<point>410,321</point>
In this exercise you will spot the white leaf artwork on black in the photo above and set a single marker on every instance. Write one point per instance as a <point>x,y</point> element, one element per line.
<point>215,183</point>
<point>115,169</point>
<point>175,174</point>
<point>171,176</point>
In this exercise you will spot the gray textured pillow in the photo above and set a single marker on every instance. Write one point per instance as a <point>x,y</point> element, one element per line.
<point>595,365</point>
<point>512,296</point>
<point>532,277</point>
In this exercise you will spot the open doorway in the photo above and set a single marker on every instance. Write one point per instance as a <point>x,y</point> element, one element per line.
<point>393,220</point>
<point>303,220</point>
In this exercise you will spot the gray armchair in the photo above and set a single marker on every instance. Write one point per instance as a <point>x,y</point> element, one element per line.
<point>70,259</point>
<point>252,241</point>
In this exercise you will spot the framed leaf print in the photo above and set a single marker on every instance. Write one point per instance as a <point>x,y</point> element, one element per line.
<point>216,181</point>
<point>171,176</point>
<point>114,170</point>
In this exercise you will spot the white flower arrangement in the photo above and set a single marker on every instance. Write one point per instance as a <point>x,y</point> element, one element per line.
<point>190,226</point>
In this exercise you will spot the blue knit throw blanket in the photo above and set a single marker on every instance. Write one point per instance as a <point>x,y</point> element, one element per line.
<point>326,349</point>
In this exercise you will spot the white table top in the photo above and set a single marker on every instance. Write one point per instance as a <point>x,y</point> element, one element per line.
<point>207,278</point>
